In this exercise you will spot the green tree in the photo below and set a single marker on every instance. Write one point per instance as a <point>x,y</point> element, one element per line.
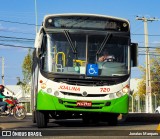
<point>155,74</point>
<point>26,70</point>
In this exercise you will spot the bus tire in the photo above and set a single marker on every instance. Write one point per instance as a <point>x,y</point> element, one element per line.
<point>113,121</point>
<point>41,119</point>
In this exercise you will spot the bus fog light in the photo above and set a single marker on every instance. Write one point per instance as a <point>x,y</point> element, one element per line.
<point>60,101</point>
<point>111,96</point>
<point>108,103</point>
<point>118,94</point>
<point>56,93</point>
<point>43,85</point>
<point>49,90</point>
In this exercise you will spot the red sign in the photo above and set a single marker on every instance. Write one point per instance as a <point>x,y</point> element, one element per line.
<point>84,103</point>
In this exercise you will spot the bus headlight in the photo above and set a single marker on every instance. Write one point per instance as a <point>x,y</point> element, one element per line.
<point>49,90</point>
<point>119,94</point>
<point>112,95</point>
<point>56,93</point>
<point>126,89</point>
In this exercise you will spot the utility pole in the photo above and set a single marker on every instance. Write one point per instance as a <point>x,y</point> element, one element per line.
<point>148,75</point>
<point>35,4</point>
<point>2,70</point>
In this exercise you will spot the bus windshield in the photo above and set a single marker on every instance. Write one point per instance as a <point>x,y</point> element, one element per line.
<point>66,53</point>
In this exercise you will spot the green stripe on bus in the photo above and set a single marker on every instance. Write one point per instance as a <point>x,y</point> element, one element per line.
<point>46,101</point>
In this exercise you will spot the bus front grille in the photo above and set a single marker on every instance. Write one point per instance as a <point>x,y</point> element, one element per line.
<point>73,104</point>
<point>80,95</point>
<point>75,107</point>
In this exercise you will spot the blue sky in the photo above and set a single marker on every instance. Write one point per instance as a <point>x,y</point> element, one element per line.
<point>23,11</point>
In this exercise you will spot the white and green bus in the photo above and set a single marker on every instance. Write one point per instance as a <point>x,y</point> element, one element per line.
<point>69,81</point>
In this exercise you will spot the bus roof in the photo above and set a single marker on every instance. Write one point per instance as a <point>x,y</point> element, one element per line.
<point>84,14</point>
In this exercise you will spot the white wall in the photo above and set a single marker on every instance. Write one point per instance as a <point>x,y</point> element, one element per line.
<point>16,89</point>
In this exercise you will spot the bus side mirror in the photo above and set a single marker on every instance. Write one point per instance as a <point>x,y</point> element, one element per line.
<point>38,44</point>
<point>134,54</point>
<point>38,52</point>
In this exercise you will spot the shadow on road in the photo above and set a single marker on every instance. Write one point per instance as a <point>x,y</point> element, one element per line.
<point>12,123</point>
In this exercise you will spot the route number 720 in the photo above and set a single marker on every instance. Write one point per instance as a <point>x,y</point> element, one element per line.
<point>104,89</point>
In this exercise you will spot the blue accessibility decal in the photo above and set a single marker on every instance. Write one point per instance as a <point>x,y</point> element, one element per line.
<point>92,70</point>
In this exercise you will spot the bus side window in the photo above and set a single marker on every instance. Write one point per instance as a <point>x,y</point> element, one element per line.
<point>43,52</point>
<point>44,47</point>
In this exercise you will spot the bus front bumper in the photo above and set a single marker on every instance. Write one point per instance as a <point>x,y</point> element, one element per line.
<point>49,102</point>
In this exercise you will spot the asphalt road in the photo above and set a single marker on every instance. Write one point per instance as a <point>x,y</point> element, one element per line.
<point>75,127</point>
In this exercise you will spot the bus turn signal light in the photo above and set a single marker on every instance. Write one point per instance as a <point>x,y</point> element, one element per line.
<point>126,89</point>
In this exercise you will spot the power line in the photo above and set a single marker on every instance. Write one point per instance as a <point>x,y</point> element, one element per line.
<point>16,38</point>
<point>146,34</point>
<point>150,47</point>
<point>31,24</point>
<point>149,54</point>
<point>9,45</point>
<point>12,40</point>
<point>150,42</point>
<point>17,32</point>
<point>23,23</point>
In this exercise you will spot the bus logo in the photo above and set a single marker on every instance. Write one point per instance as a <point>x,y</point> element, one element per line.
<point>92,70</point>
<point>69,88</point>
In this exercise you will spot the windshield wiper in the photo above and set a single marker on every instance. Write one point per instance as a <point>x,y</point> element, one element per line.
<point>103,43</point>
<point>70,41</point>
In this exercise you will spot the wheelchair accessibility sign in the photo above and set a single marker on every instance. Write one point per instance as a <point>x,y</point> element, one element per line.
<point>92,70</point>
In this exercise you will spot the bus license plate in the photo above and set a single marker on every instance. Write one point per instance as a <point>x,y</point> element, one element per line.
<point>84,103</point>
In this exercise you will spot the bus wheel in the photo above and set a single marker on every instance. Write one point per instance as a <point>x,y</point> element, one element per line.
<point>41,119</point>
<point>113,121</point>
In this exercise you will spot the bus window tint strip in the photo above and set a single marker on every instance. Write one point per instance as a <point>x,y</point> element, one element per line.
<point>87,23</point>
